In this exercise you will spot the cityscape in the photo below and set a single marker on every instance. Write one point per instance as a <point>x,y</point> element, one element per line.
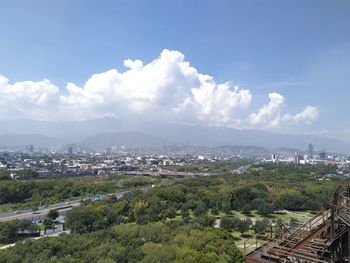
<point>43,164</point>
<point>212,131</point>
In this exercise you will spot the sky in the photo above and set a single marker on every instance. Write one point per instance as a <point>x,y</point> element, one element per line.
<point>281,66</point>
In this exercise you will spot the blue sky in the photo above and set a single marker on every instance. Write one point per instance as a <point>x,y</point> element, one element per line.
<point>299,49</point>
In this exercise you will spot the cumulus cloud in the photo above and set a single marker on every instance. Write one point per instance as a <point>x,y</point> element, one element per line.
<point>268,113</point>
<point>167,89</point>
<point>269,116</point>
<point>308,115</point>
<point>28,98</point>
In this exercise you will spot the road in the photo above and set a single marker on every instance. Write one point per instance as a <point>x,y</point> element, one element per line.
<point>40,214</point>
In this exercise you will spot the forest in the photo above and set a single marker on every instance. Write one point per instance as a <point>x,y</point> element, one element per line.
<point>16,194</point>
<point>180,222</point>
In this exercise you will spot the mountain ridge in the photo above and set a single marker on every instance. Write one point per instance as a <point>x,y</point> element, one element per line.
<point>160,134</point>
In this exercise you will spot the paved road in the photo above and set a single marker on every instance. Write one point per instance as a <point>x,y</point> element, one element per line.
<point>40,214</point>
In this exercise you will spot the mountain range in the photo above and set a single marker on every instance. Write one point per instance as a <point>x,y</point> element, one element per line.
<point>98,134</point>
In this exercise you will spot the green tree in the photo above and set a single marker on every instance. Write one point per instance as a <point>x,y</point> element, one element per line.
<point>200,209</point>
<point>80,219</point>
<point>261,226</point>
<point>53,214</point>
<point>265,209</point>
<point>247,209</point>
<point>215,211</point>
<point>170,212</point>
<point>185,214</point>
<point>244,225</point>
<point>228,223</point>
<point>204,221</point>
<point>139,210</point>
<point>48,223</point>
<point>8,231</point>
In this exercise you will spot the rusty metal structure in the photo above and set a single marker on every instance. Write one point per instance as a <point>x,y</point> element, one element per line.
<point>322,239</point>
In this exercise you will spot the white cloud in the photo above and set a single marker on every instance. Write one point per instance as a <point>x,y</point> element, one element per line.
<point>308,115</point>
<point>270,116</point>
<point>168,89</point>
<point>28,98</point>
<point>268,113</point>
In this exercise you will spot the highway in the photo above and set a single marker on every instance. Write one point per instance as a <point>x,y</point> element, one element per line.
<point>42,211</point>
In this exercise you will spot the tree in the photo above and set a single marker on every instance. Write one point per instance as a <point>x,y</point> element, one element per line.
<point>185,214</point>
<point>200,209</point>
<point>139,210</point>
<point>53,214</point>
<point>23,225</point>
<point>48,223</point>
<point>8,231</point>
<point>265,209</point>
<point>80,219</point>
<point>261,226</point>
<point>226,207</point>
<point>157,253</point>
<point>226,223</point>
<point>215,202</point>
<point>244,225</point>
<point>33,228</point>
<point>204,221</point>
<point>215,210</point>
<point>247,210</point>
<point>170,212</point>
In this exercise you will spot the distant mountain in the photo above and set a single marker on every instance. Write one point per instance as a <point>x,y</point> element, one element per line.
<point>72,129</point>
<point>28,139</point>
<point>99,134</point>
<point>216,136</point>
<point>244,151</point>
<point>121,140</point>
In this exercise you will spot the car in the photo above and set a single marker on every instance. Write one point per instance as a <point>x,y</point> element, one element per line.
<point>18,212</point>
<point>67,203</point>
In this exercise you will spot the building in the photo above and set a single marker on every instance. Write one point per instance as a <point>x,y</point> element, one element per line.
<point>31,148</point>
<point>70,150</point>
<point>323,155</point>
<point>297,158</point>
<point>274,158</point>
<point>311,151</point>
<point>108,151</point>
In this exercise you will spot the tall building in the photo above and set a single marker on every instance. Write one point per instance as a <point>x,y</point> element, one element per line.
<point>70,150</point>
<point>274,158</point>
<point>311,151</point>
<point>297,158</point>
<point>108,151</point>
<point>31,148</point>
<point>323,155</point>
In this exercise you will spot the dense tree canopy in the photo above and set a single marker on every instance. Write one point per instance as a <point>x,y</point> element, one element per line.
<point>154,242</point>
<point>171,223</point>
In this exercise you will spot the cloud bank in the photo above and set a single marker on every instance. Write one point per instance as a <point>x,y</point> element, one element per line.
<point>166,89</point>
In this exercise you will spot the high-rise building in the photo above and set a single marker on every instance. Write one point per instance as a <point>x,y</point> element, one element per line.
<point>70,150</point>
<point>274,158</point>
<point>31,148</point>
<point>311,151</point>
<point>297,158</point>
<point>323,155</point>
<point>108,151</point>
